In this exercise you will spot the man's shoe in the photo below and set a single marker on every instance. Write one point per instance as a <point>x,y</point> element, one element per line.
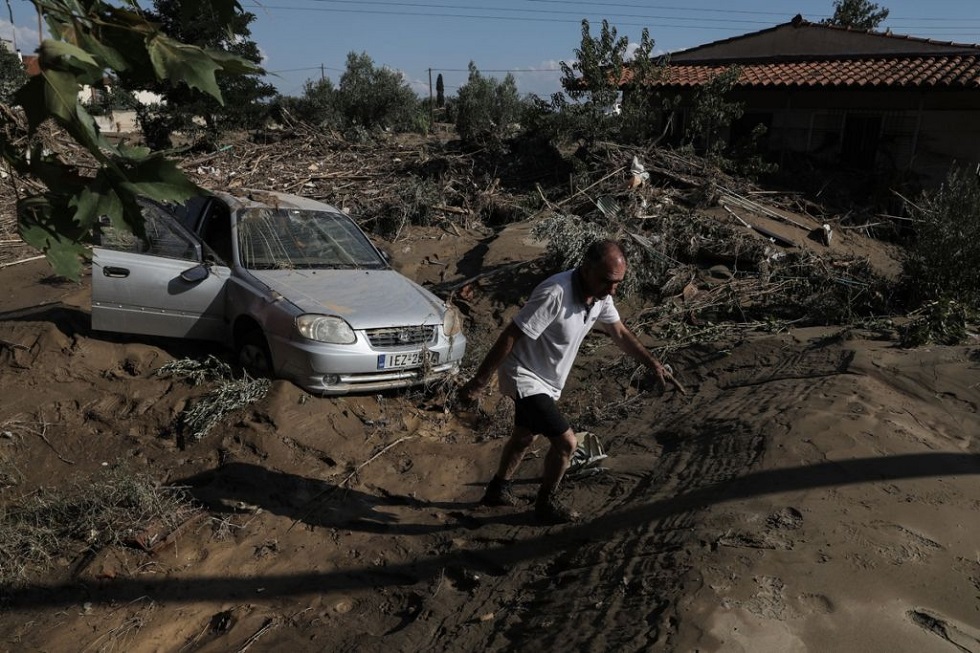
<point>499,493</point>
<point>548,510</point>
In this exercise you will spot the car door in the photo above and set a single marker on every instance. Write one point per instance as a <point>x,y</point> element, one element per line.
<point>157,285</point>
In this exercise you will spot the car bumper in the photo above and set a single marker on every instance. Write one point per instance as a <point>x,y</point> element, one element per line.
<point>340,369</point>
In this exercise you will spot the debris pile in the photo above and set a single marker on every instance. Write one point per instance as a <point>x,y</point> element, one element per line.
<point>705,245</point>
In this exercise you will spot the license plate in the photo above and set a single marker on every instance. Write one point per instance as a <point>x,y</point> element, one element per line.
<point>404,359</point>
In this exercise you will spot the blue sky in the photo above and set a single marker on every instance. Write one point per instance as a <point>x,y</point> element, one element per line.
<point>304,39</point>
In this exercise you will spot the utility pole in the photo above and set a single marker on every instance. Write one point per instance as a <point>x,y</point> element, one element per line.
<point>322,74</point>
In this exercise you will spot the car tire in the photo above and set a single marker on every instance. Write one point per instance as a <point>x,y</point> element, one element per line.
<point>253,354</point>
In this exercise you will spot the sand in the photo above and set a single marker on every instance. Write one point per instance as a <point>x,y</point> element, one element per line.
<point>815,490</point>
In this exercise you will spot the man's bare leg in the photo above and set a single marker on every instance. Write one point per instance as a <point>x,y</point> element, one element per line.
<point>556,461</point>
<point>498,491</point>
<point>515,448</point>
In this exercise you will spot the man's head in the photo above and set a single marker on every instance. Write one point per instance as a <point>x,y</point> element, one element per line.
<point>603,268</point>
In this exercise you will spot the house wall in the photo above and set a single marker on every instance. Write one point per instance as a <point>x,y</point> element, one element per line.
<point>922,132</point>
<point>123,122</point>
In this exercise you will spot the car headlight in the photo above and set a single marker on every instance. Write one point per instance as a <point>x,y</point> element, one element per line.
<point>325,328</point>
<point>452,321</point>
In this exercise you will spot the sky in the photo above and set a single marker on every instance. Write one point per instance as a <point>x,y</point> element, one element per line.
<point>305,40</point>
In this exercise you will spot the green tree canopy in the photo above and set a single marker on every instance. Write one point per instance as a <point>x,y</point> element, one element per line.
<point>317,106</point>
<point>245,96</point>
<point>486,108</point>
<point>593,81</point>
<point>374,98</point>
<point>12,74</point>
<point>87,40</point>
<point>859,14</point>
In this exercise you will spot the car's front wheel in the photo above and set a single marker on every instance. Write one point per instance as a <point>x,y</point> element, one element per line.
<point>254,355</point>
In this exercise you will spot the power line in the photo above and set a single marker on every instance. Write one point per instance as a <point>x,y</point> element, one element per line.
<point>668,7</point>
<point>597,7</point>
<point>549,12</point>
<point>499,70</point>
<point>730,25</point>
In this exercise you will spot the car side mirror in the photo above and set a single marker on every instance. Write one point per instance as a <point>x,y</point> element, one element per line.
<point>195,274</point>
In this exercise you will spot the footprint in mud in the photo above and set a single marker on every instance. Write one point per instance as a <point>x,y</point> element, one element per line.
<point>816,604</point>
<point>961,636</point>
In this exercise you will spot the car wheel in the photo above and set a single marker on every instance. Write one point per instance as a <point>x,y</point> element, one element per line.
<point>253,354</point>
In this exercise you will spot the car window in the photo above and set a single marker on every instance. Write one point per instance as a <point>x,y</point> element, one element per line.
<point>191,212</point>
<point>163,237</point>
<point>284,238</point>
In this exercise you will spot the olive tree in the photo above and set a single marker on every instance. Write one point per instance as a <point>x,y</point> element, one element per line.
<point>374,98</point>
<point>486,108</point>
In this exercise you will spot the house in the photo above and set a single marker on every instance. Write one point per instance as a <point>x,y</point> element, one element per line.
<point>116,120</point>
<point>857,98</point>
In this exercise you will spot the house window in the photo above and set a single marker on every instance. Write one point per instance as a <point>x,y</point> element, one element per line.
<point>859,143</point>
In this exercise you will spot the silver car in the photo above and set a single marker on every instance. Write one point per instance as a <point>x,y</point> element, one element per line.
<point>292,284</point>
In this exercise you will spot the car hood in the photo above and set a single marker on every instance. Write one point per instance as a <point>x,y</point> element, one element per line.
<point>367,299</point>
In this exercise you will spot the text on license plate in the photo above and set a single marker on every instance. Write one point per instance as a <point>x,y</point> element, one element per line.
<point>405,359</point>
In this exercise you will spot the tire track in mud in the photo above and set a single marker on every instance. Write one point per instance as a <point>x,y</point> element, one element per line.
<point>611,583</point>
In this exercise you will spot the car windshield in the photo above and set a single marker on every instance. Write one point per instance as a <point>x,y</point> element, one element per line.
<point>271,239</point>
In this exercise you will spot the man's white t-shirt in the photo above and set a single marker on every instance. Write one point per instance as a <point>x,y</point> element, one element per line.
<point>555,321</point>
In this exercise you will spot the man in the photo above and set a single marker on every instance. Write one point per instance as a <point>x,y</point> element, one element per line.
<point>535,353</point>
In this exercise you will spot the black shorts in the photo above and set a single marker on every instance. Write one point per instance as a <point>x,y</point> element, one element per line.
<point>539,414</point>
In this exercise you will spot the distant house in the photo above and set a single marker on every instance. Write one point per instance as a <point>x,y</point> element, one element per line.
<point>854,97</point>
<point>115,121</point>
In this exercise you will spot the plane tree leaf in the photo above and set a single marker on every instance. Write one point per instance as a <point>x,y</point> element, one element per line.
<point>92,39</point>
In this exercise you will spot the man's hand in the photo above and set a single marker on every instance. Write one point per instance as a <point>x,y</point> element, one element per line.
<point>469,392</point>
<point>665,375</point>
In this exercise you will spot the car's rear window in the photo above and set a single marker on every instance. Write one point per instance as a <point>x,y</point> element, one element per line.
<point>271,238</point>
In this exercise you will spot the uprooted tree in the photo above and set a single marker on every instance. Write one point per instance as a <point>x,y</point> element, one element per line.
<point>89,39</point>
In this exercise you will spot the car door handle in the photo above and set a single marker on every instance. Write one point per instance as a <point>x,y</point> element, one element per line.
<point>111,271</point>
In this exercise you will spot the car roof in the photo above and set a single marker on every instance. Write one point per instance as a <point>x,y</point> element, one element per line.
<point>255,198</point>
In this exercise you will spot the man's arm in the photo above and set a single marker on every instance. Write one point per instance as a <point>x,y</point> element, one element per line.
<point>505,343</point>
<point>630,344</point>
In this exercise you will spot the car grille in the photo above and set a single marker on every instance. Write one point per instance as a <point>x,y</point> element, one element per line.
<point>392,337</point>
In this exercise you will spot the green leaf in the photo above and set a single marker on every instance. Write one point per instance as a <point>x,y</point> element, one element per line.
<point>160,179</point>
<point>235,65</point>
<point>60,94</point>
<point>52,53</point>
<point>90,205</point>
<point>63,252</point>
<point>178,62</point>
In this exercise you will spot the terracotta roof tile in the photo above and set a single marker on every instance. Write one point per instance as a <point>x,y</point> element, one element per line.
<point>945,71</point>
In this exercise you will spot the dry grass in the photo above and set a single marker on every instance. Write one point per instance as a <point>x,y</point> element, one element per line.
<point>88,515</point>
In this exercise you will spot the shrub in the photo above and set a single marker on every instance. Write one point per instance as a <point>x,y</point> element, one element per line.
<point>941,262</point>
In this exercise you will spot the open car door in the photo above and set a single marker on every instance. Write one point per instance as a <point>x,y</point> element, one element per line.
<point>159,285</point>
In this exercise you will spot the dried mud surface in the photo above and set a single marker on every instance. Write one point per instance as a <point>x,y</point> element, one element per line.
<point>815,490</point>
